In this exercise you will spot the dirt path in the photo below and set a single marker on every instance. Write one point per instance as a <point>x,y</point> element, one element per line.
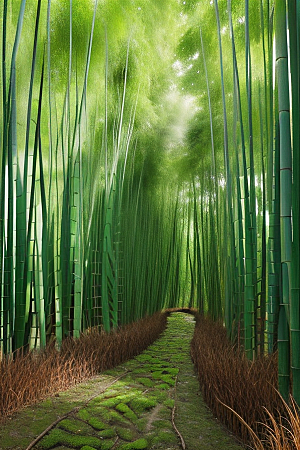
<point>150,402</point>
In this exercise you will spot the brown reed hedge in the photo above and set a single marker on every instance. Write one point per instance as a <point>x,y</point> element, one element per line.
<point>27,377</point>
<point>227,377</point>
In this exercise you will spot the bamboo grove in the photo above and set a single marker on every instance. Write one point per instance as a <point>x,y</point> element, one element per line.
<point>150,159</point>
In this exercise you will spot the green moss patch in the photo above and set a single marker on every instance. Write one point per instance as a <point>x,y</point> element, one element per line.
<point>143,357</point>
<point>168,379</point>
<point>167,437</point>
<point>156,375</point>
<point>163,386</point>
<point>107,444</point>
<point>160,423</point>
<point>159,395</point>
<point>140,370</point>
<point>141,424</point>
<point>76,426</point>
<point>126,398</point>
<point>128,413</point>
<point>155,360</point>
<point>141,404</point>
<point>109,392</point>
<point>94,411</point>
<point>97,424</point>
<point>83,414</point>
<point>113,416</point>
<point>170,370</point>
<point>145,381</point>
<point>107,434</point>
<point>125,434</point>
<point>57,436</point>
<point>169,403</point>
<point>139,444</point>
<point>110,402</point>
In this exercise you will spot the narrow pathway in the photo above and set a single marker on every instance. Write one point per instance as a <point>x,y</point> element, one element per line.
<point>150,402</point>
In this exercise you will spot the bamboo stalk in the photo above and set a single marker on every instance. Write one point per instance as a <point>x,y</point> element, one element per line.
<point>295,260</point>
<point>285,193</point>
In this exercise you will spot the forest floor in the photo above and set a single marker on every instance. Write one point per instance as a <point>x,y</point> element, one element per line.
<point>150,402</point>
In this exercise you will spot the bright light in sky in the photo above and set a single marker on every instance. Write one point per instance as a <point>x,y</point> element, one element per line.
<point>178,68</point>
<point>181,108</point>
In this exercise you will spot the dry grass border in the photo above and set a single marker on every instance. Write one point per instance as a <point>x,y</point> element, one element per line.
<point>238,391</point>
<point>29,377</point>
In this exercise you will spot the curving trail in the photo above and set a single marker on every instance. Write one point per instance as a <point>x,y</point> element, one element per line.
<point>150,402</point>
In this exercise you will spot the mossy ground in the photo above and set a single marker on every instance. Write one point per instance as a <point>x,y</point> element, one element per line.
<point>134,413</point>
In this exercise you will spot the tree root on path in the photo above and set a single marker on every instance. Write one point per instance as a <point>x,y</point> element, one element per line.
<point>173,420</point>
<point>74,410</point>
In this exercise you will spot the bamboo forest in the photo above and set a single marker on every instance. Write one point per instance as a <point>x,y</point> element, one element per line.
<point>149,160</point>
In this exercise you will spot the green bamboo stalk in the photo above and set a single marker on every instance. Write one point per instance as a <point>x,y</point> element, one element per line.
<point>229,224</point>
<point>272,187</point>
<point>11,154</point>
<point>293,24</point>
<point>272,167</point>
<point>21,205</point>
<point>198,262</point>
<point>204,243</point>
<point>262,303</point>
<point>248,191</point>
<point>67,249</point>
<point>274,276</point>
<point>108,276</point>
<point>24,330</point>
<point>285,190</point>
<point>215,209</point>
<point>250,282</point>
<point>110,297</point>
<point>238,118</point>
<point>78,204</point>
<point>7,325</point>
